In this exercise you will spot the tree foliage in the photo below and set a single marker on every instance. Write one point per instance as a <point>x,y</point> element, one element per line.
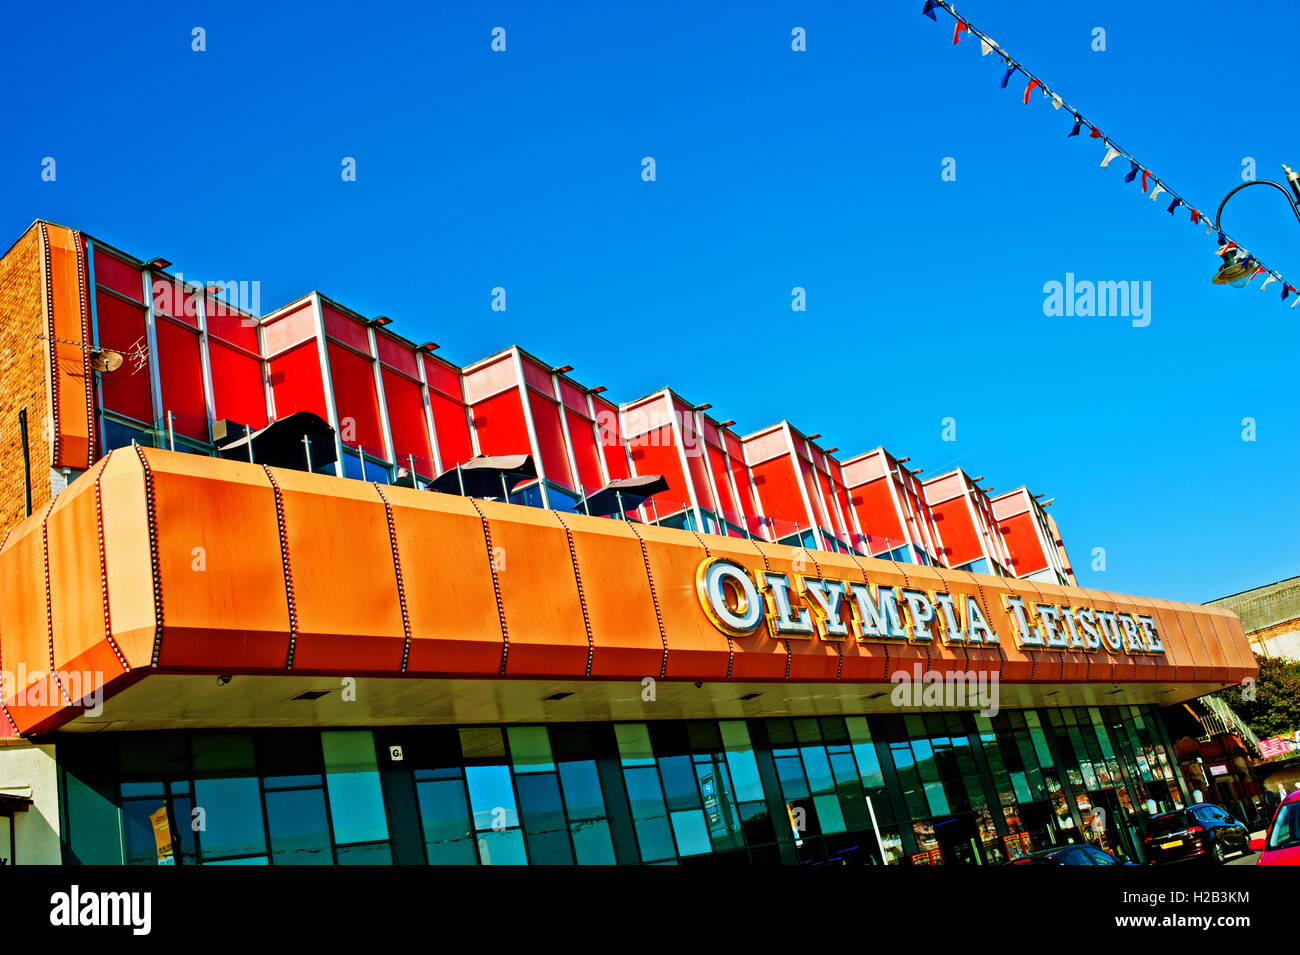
<point>1275,707</point>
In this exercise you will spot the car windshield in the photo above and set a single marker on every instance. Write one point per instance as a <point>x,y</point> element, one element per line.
<point>1285,833</point>
<point>1170,822</point>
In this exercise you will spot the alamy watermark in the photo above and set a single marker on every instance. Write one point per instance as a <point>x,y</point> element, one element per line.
<point>236,299</point>
<point>951,690</point>
<point>1085,299</point>
<point>85,688</point>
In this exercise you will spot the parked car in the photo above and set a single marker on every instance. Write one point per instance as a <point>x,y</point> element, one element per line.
<point>1077,854</point>
<point>1281,844</point>
<point>1202,832</point>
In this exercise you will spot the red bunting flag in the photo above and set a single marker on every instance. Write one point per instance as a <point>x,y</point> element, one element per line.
<point>1148,177</point>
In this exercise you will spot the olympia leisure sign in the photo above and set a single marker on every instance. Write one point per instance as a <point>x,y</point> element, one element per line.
<point>796,606</point>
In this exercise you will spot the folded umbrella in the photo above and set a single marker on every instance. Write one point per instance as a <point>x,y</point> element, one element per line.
<point>631,491</point>
<point>482,476</point>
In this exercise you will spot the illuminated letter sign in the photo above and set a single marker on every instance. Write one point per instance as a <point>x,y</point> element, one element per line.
<point>738,601</point>
<point>737,615</point>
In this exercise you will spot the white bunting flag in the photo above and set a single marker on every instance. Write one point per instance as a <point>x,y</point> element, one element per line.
<point>1270,278</point>
<point>1157,190</point>
<point>1056,101</point>
<point>1111,153</point>
<point>987,47</point>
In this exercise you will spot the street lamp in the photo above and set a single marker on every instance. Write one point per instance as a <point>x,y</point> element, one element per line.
<point>1238,265</point>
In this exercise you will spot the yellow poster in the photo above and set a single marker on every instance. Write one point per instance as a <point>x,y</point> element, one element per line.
<point>162,836</point>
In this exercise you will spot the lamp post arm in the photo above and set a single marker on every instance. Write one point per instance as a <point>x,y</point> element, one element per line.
<point>1218,216</point>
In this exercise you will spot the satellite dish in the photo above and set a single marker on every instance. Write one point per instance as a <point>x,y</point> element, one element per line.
<point>102,360</point>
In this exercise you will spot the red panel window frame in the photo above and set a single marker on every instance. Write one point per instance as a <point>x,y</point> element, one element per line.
<point>610,438</point>
<point>656,453</point>
<point>297,383</point>
<point>180,368</point>
<point>122,329</point>
<point>237,389</point>
<point>699,469</point>
<point>451,426</point>
<point>877,515</point>
<point>173,299</point>
<point>443,379</point>
<point>229,325</point>
<point>778,486</point>
<point>111,272</point>
<point>538,378</point>
<point>405,402</point>
<point>718,465</point>
<point>396,355</point>
<point>740,474</point>
<point>585,452</point>
<point>550,439</point>
<point>346,330</point>
<point>499,425</point>
<point>355,401</point>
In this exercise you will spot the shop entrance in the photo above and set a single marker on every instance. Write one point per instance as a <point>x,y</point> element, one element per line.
<point>959,840</point>
<point>1039,820</point>
<point>1115,832</point>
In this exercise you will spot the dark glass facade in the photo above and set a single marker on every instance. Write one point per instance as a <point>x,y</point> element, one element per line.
<point>927,788</point>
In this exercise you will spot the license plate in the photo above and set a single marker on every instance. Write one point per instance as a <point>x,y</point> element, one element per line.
<point>1171,845</point>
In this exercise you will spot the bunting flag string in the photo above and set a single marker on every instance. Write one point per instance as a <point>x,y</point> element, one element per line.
<point>1149,178</point>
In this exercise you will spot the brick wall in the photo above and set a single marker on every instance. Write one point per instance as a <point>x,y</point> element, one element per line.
<point>23,357</point>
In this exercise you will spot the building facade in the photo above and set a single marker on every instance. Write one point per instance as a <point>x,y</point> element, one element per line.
<point>254,608</point>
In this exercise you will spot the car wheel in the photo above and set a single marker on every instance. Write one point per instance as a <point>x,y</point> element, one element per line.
<point>1216,852</point>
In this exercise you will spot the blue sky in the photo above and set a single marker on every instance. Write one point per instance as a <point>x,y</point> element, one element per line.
<point>775,169</point>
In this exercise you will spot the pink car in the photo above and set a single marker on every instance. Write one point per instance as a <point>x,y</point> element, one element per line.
<point>1281,846</point>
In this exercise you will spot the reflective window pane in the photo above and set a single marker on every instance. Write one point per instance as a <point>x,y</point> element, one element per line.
<point>545,831</point>
<point>232,817</point>
<point>299,827</point>
<point>444,815</point>
<point>352,780</point>
<point>492,797</point>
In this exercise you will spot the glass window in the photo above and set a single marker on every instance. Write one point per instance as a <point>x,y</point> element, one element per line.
<point>492,797</point>
<point>582,792</point>
<point>649,815</point>
<point>741,761</point>
<point>502,847</point>
<point>546,833</point>
<point>147,833</point>
<point>680,789</point>
<point>92,823</point>
<point>691,831</point>
<point>352,780</point>
<point>118,435</point>
<point>592,842</point>
<point>375,471</point>
<point>530,749</point>
<point>444,816</point>
<point>376,853</point>
<point>299,827</point>
<point>790,771</point>
<point>482,742</point>
<point>289,758</point>
<point>231,816</point>
<point>720,811</point>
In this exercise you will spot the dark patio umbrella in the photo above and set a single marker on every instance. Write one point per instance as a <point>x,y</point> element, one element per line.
<point>632,491</point>
<point>483,476</point>
<point>280,443</point>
